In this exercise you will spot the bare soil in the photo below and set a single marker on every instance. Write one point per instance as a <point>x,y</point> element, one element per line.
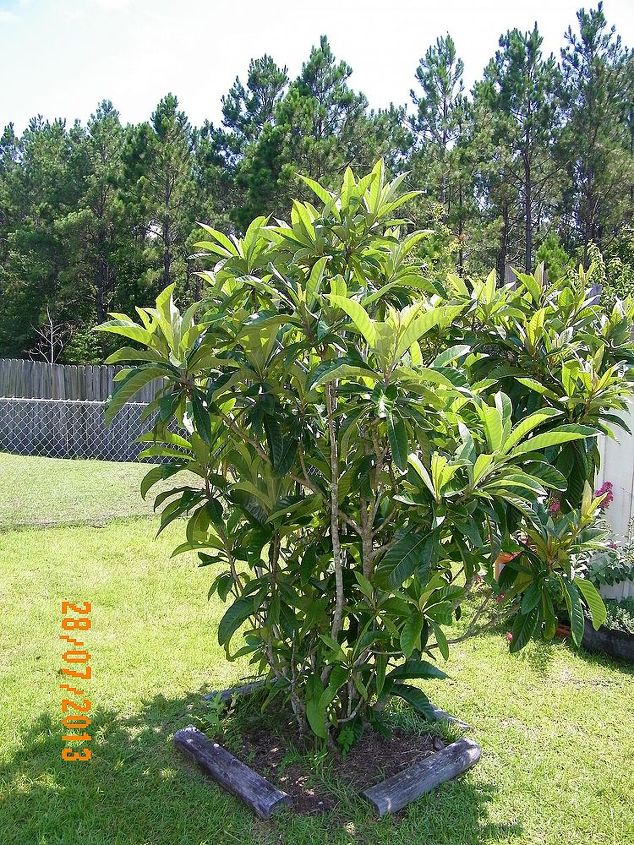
<point>372,759</point>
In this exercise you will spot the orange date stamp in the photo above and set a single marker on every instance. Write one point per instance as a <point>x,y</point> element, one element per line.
<point>75,622</point>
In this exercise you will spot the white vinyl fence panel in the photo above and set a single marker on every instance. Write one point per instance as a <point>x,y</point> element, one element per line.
<point>617,466</point>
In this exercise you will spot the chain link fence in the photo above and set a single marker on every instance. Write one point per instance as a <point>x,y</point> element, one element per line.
<point>64,428</point>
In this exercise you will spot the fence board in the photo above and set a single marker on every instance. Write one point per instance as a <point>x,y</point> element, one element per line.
<point>23,379</point>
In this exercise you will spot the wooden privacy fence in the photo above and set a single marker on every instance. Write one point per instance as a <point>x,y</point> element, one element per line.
<point>21,379</point>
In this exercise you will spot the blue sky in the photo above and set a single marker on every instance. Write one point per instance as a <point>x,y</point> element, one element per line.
<point>60,57</point>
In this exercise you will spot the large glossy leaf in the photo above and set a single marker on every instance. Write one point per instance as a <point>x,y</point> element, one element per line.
<point>358,315</point>
<point>202,418</point>
<point>575,611</point>
<point>315,709</point>
<point>127,328</point>
<point>493,426</point>
<point>127,353</point>
<point>416,698</point>
<point>128,387</point>
<point>234,616</point>
<point>559,435</point>
<point>336,368</point>
<point>413,551</point>
<point>523,629</point>
<point>451,354</point>
<point>410,634</point>
<point>419,326</point>
<point>547,474</point>
<point>157,474</point>
<point>527,425</point>
<point>416,669</point>
<point>274,438</point>
<point>592,597</point>
<point>397,435</point>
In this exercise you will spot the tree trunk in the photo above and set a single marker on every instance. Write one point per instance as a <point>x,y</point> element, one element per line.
<point>167,254</point>
<point>528,215</point>
<point>504,242</point>
<point>460,229</point>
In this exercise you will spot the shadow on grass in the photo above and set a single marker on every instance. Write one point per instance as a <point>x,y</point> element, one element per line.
<point>137,789</point>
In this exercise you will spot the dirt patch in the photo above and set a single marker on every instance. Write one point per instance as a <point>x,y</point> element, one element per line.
<point>372,759</point>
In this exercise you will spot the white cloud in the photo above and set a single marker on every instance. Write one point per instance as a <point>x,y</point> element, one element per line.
<point>7,17</point>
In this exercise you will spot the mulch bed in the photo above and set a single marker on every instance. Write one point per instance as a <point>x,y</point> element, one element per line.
<point>371,760</point>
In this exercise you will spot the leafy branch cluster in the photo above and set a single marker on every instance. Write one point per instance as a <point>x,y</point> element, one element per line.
<point>369,439</point>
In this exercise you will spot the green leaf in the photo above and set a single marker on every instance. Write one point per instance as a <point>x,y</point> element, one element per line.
<point>441,639</point>
<point>569,373</point>
<point>596,605</point>
<point>416,464</point>
<point>416,669</point>
<point>126,389</point>
<point>531,285</point>
<point>333,368</point>
<point>416,698</point>
<point>364,584</point>
<point>397,435</point>
<point>538,387</point>
<point>325,196</point>
<point>202,418</point>
<point>561,434</point>
<point>157,474</point>
<point>273,439</point>
<point>313,284</point>
<point>440,315</point>
<point>531,598</point>
<point>315,712</point>
<point>127,353</point>
<point>527,425</point>
<point>234,616</point>
<point>523,628</point>
<point>409,554</point>
<point>547,474</point>
<point>358,315</point>
<point>410,634</point>
<point>449,355</point>
<point>338,677</point>
<point>575,611</point>
<point>381,665</point>
<point>249,505</point>
<point>493,426</point>
<point>127,328</point>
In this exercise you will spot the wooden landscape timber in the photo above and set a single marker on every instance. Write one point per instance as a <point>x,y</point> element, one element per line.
<point>236,777</point>
<point>406,786</point>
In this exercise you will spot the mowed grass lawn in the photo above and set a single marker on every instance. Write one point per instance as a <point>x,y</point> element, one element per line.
<point>556,728</point>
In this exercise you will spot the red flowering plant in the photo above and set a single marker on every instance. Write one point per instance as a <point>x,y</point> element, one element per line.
<point>550,572</point>
<point>605,493</point>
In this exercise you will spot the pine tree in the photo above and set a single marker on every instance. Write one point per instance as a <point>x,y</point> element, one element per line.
<point>441,128</point>
<point>598,143</point>
<point>247,109</point>
<point>519,87</point>
<point>37,192</point>
<point>160,170</point>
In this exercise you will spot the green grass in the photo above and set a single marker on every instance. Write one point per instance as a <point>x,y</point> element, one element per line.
<point>47,491</point>
<point>556,728</point>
